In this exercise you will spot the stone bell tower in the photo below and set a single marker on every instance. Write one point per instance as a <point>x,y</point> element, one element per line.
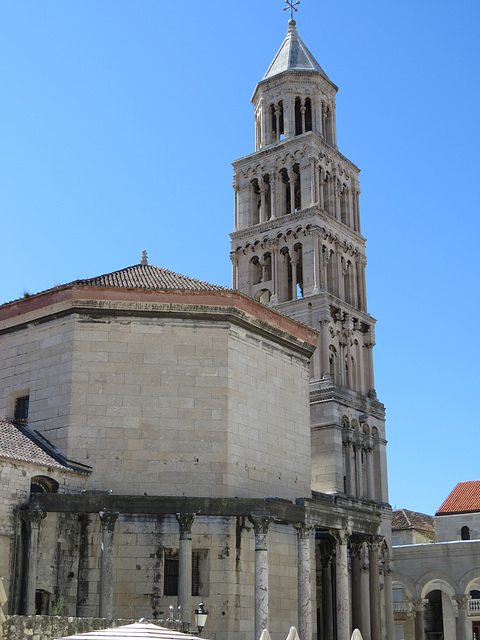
<point>297,246</point>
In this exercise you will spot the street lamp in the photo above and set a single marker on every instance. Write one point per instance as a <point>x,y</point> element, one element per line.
<point>201,616</point>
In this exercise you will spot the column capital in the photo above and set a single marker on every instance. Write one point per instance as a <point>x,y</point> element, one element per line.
<point>261,523</point>
<point>108,519</point>
<point>462,600</point>
<point>185,521</point>
<point>419,604</point>
<point>33,518</point>
<point>303,530</point>
<point>340,536</point>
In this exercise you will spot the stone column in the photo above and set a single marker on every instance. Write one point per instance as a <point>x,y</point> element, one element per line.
<point>261,524</point>
<point>464,627</point>
<point>273,201</point>
<point>32,520</point>
<point>235,189</point>
<point>356,587</point>
<point>185,521</point>
<point>375,619</point>
<point>277,123</point>
<point>105,607</point>
<point>294,262</point>
<point>314,233</point>
<point>304,582</point>
<point>365,579</point>
<point>348,464</point>
<point>342,592</point>
<point>292,178</point>
<point>327,597</point>
<point>273,244</point>
<point>370,473</point>
<point>418,608</point>
<point>387,572</point>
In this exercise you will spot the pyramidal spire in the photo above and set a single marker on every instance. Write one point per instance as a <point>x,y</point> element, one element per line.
<point>293,55</point>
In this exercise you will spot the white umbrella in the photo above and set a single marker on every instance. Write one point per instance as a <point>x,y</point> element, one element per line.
<point>141,630</point>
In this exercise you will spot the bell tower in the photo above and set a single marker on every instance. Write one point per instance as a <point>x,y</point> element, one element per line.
<point>297,246</point>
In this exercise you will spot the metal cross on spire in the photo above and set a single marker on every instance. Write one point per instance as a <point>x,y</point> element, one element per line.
<point>292,6</point>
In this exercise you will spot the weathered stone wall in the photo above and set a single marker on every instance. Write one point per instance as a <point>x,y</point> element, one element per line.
<point>69,562</point>
<point>49,627</point>
<point>15,480</point>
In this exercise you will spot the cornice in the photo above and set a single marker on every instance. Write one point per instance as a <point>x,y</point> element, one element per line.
<point>313,213</point>
<point>321,392</point>
<point>285,146</point>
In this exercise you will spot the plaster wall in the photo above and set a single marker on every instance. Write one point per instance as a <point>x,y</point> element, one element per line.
<point>449,528</point>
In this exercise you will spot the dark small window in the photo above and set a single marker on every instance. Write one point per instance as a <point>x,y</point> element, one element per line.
<point>465,533</point>
<point>171,574</point>
<point>21,408</point>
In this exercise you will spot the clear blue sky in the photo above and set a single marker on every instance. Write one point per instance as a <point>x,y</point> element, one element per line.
<point>118,124</point>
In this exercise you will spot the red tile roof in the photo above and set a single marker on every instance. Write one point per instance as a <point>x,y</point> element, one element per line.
<point>20,443</point>
<point>147,276</point>
<point>465,498</point>
<point>403,519</point>
<point>140,276</point>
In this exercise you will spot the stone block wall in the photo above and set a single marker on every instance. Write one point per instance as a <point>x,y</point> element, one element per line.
<point>38,363</point>
<point>69,568</point>
<point>15,481</point>
<point>48,627</point>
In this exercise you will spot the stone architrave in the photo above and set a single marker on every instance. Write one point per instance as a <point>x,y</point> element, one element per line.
<point>185,521</point>
<point>105,607</point>
<point>304,582</point>
<point>261,524</point>
<point>32,520</point>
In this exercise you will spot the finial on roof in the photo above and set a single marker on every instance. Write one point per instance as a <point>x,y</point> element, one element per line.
<point>292,6</point>
<point>144,260</point>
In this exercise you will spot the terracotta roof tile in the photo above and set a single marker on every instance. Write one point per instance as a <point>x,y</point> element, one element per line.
<point>140,276</point>
<point>19,442</point>
<point>404,519</point>
<point>465,498</point>
<point>146,276</point>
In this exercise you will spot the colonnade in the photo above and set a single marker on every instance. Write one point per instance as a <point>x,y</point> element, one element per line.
<point>349,599</point>
<point>274,192</point>
<point>359,465</point>
<point>291,115</point>
<point>325,263</point>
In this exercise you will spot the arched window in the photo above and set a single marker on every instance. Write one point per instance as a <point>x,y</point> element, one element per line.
<point>43,484</point>
<point>465,533</point>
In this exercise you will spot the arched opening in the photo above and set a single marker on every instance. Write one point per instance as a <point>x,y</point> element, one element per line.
<point>256,201</point>
<point>43,484</point>
<point>277,120</point>
<point>267,267</point>
<point>433,615</point>
<point>308,114</point>
<point>263,296</point>
<point>465,533</point>
<point>266,214</point>
<point>255,271</point>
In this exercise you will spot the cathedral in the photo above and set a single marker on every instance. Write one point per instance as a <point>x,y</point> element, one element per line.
<point>166,442</point>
